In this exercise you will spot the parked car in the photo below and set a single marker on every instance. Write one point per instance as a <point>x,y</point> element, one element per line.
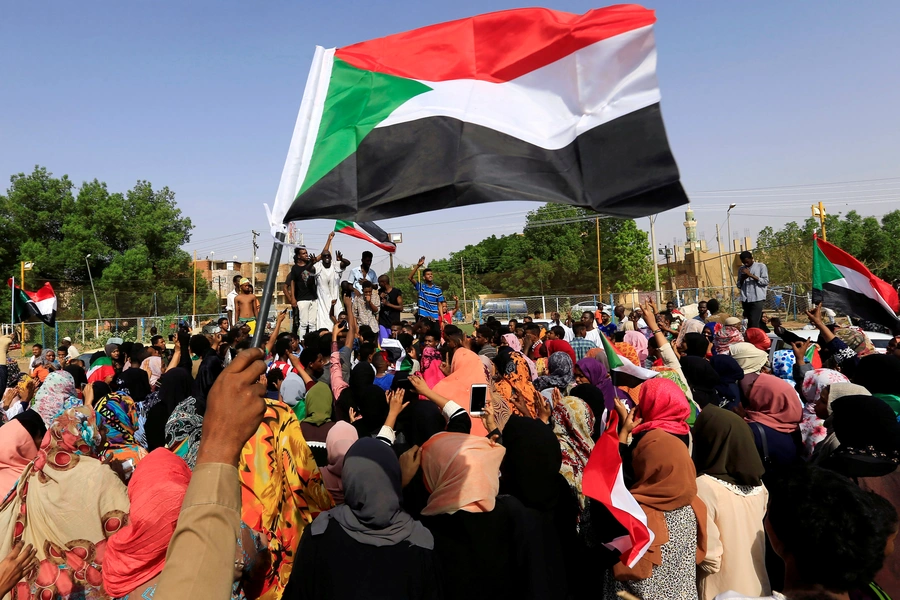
<point>503,307</point>
<point>588,306</point>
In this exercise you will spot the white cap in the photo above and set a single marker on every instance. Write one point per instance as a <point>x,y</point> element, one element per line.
<point>67,339</point>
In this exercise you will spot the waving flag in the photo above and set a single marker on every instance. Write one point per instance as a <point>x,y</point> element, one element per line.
<point>622,365</point>
<point>524,104</point>
<point>367,231</point>
<point>602,480</point>
<point>842,283</point>
<point>39,305</point>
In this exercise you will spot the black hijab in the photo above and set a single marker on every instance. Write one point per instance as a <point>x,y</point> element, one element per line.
<point>136,381</point>
<point>593,397</point>
<point>724,448</point>
<point>78,375</point>
<point>530,469</point>
<point>32,422</point>
<point>101,390</point>
<point>210,368</point>
<point>361,376</point>
<point>879,373</point>
<point>869,434</point>
<point>373,407</point>
<point>174,386</point>
<point>701,378</point>
<point>696,344</point>
<point>730,373</point>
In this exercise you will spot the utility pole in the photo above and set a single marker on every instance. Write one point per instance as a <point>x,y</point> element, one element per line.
<point>599,276</point>
<point>721,263</point>
<point>819,211</point>
<point>253,263</point>
<point>462,267</point>
<point>653,255</point>
<point>194,314</point>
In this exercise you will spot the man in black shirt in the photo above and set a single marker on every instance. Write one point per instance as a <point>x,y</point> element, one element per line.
<point>300,291</point>
<point>391,305</point>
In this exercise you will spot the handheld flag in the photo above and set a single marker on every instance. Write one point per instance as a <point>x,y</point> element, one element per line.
<point>39,305</point>
<point>603,481</point>
<point>524,104</point>
<point>616,363</point>
<point>843,283</point>
<point>367,231</point>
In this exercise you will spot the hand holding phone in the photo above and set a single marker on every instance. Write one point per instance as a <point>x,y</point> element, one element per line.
<point>477,399</point>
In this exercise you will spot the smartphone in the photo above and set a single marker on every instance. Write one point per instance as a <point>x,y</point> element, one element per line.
<point>477,399</point>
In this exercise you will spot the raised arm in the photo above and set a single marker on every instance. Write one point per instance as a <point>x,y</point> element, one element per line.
<point>416,267</point>
<point>328,243</point>
<point>271,343</point>
<point>351,322</point>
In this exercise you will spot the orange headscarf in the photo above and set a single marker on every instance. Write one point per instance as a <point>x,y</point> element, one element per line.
<point>17,450</point>
<point>665,480</point>
<point>465,370</point>
<point>462,472</point>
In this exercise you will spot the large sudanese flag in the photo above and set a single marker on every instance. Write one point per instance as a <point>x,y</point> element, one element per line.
<point>28,306</point>
<point>524,104</point>
<point>842,283</point>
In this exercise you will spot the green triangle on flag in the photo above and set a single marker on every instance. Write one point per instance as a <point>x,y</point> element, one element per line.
<point>823,269</point>
<point>357,101</point>
<point>624,366</point>
<point>612,357</point>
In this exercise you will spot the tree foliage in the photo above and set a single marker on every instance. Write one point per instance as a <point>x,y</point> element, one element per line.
<point>788,251</point>
<point>557,254</point>
<point>134,239</point>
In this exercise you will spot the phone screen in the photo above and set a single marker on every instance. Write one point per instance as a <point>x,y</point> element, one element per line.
<point>477,399</point>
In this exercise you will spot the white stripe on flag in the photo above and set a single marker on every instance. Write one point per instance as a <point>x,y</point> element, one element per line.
<point>858,282</point>
<point>551,106</point>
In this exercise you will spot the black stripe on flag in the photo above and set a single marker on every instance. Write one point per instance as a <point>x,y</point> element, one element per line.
<point>856,304</point>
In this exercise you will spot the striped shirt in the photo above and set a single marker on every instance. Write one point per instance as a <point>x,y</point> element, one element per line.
<point>581,347</point>
<point>430,296</point>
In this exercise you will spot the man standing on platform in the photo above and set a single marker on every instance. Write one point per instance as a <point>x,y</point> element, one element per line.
<point>363,272</point>
<point>328,284</point>
<point>753,279</point>
<point>431,301</point>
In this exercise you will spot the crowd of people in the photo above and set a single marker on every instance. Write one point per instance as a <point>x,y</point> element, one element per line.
<point>368,456</point>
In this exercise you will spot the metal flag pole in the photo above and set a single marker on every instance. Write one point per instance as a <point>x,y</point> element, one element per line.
<point>268,289</point>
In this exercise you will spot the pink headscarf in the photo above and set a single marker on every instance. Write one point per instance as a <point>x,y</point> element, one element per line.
<point>725,338</point>
<point>772,402</point>
<point>637,339</point>
<point>462,472</point>
<point>516,344</point>
<point>662,405</point>
<point>17,450</point>
<point>817,380</point>
<point>340,437</point>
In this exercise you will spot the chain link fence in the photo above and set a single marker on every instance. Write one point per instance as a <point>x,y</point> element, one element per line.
<point>788,301</point>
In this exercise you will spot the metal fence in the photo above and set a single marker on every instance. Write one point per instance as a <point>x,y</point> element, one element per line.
<point>93,333</point>
<point>788,301</point>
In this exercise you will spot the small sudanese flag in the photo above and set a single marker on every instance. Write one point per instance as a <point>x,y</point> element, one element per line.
<point>40,305</point>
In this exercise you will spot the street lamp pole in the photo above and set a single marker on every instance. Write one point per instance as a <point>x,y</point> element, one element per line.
<point>730,250</point>
<point>91,278</point>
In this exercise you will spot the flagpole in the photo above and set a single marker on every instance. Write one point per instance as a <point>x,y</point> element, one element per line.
<point>268,289</point>
<point>12,312</point>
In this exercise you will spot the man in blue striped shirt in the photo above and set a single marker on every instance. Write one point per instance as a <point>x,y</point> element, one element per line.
<point>431,298</point>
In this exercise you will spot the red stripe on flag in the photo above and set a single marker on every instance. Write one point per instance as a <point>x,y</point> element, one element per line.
<point>45,292</point>
<point>839,257</point>
<point>602,481</point>
<point>499,46</point>
<point>366,237</point>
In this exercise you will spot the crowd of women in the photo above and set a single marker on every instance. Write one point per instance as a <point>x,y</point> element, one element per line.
<point>370,478</point>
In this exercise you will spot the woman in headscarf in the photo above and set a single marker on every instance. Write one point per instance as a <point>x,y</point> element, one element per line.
<point>730,375</point>
<point>880,374</point>
<point>548,347</point>
<point>134,383</point>
<point>340,438</point>
<point>78,375</point>
<point>183,430</point>
<point>689,326</point>
<point>19,443</point>
<point>317,422</point>
<point>637,339</point>
<point>824,410</point>
<point>281,488</point>
<point>729,482</point>
<point>573,424</point>
<point>174,388</point>
<point>702,380</point>
<point>663,406</point>
<point>515,344</point>
<point>856,340</point>
<point>514,379</point>
<point>560,374</point>
<point>85,500</point>
<point>783,362</point>
<point>17,398</point>
<point>55,396</point>
<point>666,489</point>
<point>592,373</point>
<point>466,370</point>
<point>471,525</point>
<point>136,554</point>
<point>118,415</point>
<point>750,358</point>
<point>812,427</point>
<point>696,344</point>
<point>758,338</point>
<point>726,337</point>
<point>392,555</point>
<point>774,412</point>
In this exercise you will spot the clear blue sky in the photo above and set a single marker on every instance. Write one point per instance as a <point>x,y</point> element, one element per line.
<point>202,97</point>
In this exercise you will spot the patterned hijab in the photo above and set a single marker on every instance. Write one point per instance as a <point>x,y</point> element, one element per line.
<point>12,372</point>
<point>515,377</point>
<point>856,340</point>
<point>183,431</point>
<point>55,396</point>
<point>561,373</point>
<point>573,424</point>
<point>783,362</point>
<point>118,414</point>
<point>726,337</point>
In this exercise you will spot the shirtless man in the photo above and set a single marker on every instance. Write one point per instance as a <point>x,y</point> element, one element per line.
<point>246,305</point>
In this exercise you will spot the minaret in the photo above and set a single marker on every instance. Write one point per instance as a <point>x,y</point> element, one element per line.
<point>691,243</point>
